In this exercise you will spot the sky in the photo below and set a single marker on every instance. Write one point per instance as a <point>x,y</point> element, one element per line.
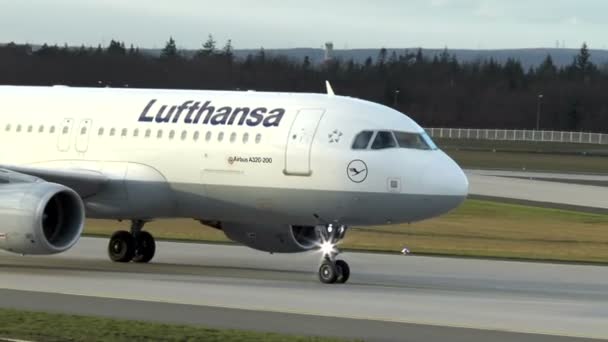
<point>468,24</point>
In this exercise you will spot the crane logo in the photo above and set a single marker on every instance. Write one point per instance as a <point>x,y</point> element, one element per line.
<point>357,171</point>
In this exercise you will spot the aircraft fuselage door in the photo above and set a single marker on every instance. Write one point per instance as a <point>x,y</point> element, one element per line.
<point>82,135</point>
<point>299,142</point>
<point>65,132</point>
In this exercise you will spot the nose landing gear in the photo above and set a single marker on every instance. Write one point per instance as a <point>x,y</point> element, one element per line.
<point>332,271</point>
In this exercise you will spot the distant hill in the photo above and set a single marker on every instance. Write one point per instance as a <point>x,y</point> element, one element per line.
<point>528,57</point>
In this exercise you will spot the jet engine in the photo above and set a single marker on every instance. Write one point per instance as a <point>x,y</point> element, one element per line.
<point>274,238</point>
<point>39,218</point>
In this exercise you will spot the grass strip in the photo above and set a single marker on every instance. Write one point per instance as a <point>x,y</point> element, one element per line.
<point>46,327</point>
<point>478,228</point>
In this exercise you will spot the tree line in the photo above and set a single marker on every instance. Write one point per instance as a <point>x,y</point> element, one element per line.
<point>436,91</point>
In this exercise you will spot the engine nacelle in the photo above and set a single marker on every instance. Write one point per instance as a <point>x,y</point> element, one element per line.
<point>39,218</point>
<point>274,238</point>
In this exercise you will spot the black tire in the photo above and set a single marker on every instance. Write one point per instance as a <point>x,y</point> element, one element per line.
<point>121,247</point>
<point>145,247</point>
<point>328,272</point>
<point>343,271</point>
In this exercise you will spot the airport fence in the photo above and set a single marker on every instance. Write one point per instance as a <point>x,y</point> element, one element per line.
<point>518,135</point>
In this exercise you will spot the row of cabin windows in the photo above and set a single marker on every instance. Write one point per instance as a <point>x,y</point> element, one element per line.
<point>29,129</point>
<point>146,134</point>
<point>172,135</point>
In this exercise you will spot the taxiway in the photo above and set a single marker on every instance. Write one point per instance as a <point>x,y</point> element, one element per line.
<point>389,297</point>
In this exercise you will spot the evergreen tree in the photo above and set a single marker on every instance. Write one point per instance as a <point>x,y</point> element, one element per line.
<point>381,58</point>
<point>261,56</point>
<point>170,50</point>
<point>209,47</point>
<point>419,56</point>
<point>306,63</point>
<point>444,56</point>
<point>227,50</point>
<point>116,48</point>
<point>582,61</point>
<point>547,67</point>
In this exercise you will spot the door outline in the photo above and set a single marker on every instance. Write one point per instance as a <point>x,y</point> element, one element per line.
<point>65,133</point>
<point>301,133</point>
<point>82,137</point>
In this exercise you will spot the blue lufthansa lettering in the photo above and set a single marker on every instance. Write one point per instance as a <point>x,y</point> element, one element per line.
<point>274,119</point>
<point>221,116</point>
<point>144,115</point>
<point>192,112</point>
<point>256,117</point>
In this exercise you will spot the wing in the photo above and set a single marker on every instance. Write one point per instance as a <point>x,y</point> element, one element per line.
<point>85,182</point>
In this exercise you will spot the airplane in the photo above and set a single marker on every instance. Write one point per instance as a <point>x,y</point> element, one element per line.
<point>277,172</point>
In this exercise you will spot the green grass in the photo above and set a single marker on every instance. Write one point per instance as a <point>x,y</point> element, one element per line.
<point>532,156</point>
<point>477,229</point>
<point>45,327</point>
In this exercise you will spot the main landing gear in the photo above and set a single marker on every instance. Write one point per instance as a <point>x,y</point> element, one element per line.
<point>332,271</point>
<point>137,245</point>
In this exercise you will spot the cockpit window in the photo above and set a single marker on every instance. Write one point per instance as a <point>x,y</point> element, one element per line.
<point>411,140</point>
<point>419,141</point>
<point>429,141</point>
<point>362,140</point>
<point>384,139</point>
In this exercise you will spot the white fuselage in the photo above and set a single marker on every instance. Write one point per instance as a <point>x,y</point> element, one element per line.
<point>219,155</point>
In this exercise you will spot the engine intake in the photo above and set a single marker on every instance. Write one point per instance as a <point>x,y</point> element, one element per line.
<point>39,218</point>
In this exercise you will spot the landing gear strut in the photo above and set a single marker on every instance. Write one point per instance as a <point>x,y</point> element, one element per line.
<point>137,245</point>
<point>331,270</point>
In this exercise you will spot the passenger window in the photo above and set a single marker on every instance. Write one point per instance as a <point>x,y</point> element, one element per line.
<point>29,129</point>
<point>100,131</point>
<point>184,135</point>
<point>232,137</point>
<point>64,131</point>
<point>112,132</point>
<point>83,131</point>
<point>148,132</point>
<point>208,136</point>
<point>159,134</point>
<point>220,137</point>
<point>258,138</point>
<point>8,127</point>
<point>136,133</point>
<point>362,140</point>
<point>52,130</point>
<point>124,132</point>
<point>384,139</point>
<point>411,140</point>
<point>41,129</point>
<point>195,136</point>
<point>171,134</point>
<point>245,138</point>
<point>18,128</point>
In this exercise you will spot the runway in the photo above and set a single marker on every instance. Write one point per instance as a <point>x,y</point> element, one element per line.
<point>560,190</point>
<point>389,298</point>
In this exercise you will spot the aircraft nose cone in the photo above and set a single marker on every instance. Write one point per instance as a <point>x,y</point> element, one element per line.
<point>446,182</point>
<point>453,181</point>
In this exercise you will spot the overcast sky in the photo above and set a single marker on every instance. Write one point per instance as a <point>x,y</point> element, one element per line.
<point>485,24</point>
